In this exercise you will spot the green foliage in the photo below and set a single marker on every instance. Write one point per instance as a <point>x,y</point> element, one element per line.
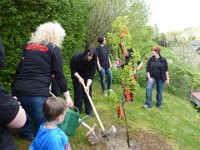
<point>141,34</point>
<point>68,76</point>
<point>183,79</point>
<point>102,14</point>
<point>18,18</point>
<point>117,76</point>
<point>177,124</point>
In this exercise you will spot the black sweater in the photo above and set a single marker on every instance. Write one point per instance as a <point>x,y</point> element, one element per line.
<point>33,75</point>
<point>86,69</point>
<point>160,65</point>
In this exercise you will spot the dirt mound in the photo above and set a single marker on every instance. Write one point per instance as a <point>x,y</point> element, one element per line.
<point>140,141</point>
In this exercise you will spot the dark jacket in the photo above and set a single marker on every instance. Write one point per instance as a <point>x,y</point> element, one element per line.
<point>33,75</point>
<point>163,66</point>
<point>86,69</point>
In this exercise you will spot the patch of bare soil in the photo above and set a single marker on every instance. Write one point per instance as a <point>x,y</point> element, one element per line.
<point>139,141</point>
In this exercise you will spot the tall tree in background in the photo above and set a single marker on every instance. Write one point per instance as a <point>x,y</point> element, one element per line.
<point>102,14</point>
<point>142,35</point>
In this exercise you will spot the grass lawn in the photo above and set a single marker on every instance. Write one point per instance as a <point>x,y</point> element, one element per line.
<point>177,123</point>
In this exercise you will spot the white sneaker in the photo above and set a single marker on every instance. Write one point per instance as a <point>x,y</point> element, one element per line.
<point>105,93</point>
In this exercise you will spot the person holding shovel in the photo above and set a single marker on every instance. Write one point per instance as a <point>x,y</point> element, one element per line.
<point>41,58</point>
<point>83,67</point>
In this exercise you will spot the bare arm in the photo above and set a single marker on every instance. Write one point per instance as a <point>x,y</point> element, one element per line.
<point>110,62</point>
<point>149,77</point>
<point>98,64</point>
<point>137,68</point>
<point>19,120</point>
<point>167,77</point>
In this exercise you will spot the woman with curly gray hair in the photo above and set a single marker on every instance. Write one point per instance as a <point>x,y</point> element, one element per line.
<point>41,58</point>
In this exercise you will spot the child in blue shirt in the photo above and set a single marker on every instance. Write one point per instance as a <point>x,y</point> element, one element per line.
<point>49,136</point>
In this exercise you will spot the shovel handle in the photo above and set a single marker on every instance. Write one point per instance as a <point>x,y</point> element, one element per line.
<point>86,125</point>
<point>93,107</point>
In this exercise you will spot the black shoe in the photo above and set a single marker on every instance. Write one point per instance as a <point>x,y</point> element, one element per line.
<point>160,106</point>
<point>90,114</point>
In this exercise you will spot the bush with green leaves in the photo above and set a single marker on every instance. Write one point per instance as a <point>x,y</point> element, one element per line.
<point>19,18</point>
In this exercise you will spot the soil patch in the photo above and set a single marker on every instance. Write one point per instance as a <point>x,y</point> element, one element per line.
<point>139,141</point>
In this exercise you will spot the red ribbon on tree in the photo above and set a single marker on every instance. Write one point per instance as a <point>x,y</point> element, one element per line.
<point>120,113</point>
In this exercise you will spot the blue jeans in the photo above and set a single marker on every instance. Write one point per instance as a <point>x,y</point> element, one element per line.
<point>102,73</point>
<point>159,86</point>
<point>33,105</point>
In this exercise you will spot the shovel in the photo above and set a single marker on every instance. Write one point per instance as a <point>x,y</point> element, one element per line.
<point>112,130</point>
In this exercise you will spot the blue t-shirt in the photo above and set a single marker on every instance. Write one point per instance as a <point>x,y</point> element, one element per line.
<point>50,139</point>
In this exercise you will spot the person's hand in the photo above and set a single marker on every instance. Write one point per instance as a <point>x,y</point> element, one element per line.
<point>87,88</point>
<point>150,80</point>
<point>81,81</point>
<point>69,102</point>
<point>110,65</point>
<point>99,68</point>
<point>15,97</point>
<point>167,81</point>
<point>17,100</point>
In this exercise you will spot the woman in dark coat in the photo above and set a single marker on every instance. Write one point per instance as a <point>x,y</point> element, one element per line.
<point>157,74</point>
<point>83,67</point>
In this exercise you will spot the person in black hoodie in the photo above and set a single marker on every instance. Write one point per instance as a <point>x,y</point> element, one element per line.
<point>12,115</point>
<point>83,67</point>
<point>41,58</point>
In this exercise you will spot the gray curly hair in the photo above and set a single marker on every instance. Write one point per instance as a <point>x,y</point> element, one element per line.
<point>50,32</point>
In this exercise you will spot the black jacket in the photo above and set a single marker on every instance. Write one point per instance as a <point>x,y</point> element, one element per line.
<point>33,75</point>
<point>86,69</point>
<point>163,65</point>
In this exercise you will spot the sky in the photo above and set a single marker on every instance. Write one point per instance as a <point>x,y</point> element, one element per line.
<point>173,15</point>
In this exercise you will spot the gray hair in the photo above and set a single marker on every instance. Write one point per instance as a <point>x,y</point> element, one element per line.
<point>50,32</point>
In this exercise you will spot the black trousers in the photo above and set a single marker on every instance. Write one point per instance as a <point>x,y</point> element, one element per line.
<point>80,97</point>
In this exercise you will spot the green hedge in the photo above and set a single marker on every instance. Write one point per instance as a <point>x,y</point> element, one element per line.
<point>18,18</point>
